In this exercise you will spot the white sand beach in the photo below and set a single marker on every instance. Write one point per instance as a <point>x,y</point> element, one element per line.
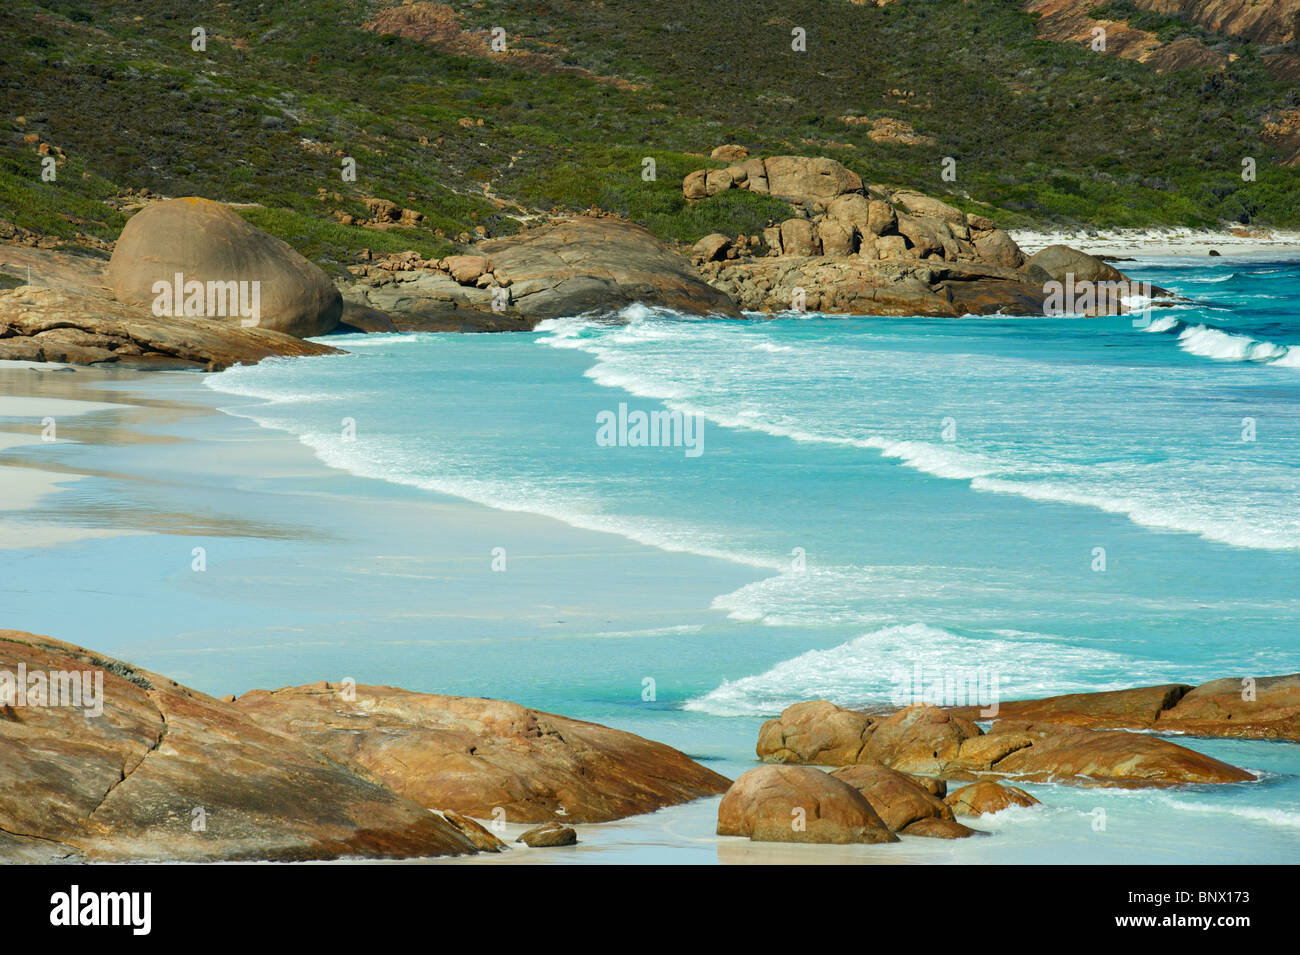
<point>1163,243</point>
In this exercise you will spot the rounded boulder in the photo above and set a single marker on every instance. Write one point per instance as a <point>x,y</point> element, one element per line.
<point>206,242</point>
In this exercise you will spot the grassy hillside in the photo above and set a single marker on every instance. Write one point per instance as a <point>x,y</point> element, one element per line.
<point>1041,132</point>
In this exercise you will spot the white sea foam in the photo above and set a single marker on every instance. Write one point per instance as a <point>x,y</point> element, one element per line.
<point>658,375</point>
<point>1163,324</point>
<point>868,669</point>
<point>1271,815</point>
<point>398,464</point>
<point>1209,342</point>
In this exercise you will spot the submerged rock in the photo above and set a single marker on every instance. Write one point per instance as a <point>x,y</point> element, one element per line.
<point>933,828</point>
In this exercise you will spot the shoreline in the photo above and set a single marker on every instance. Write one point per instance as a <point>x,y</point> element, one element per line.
<point>1168,242</point>
<point>178,419</point>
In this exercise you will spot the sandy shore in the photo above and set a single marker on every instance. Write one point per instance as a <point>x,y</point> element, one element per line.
<point>1161,243</point>
<point>40,404</point>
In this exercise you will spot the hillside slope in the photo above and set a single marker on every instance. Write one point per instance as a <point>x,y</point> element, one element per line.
<point>452,137</point>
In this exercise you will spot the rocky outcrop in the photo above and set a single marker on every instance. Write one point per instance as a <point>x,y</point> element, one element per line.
<point>1271,26</point>
<point>207,244</point>
<point>43,324</point>
<point>1245,708</point>
<point>797,804</point>
<point>927,741</point>
<point>475,756</point>
<point>567,267</point>
<point>850,249</point>
<point>166,772</point>
<point>1069,21</point>
<point>980,798</point>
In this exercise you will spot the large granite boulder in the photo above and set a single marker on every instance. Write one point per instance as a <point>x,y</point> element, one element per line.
<point>207,242</point>
<point>798,804</point>
<point>919,739</point>
<point>809,177</point>
<point>163,772</point>
<point>476,756</point>
<point>1060,261</point>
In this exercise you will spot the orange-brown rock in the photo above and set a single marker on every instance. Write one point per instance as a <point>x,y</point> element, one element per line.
<point>1249,708</point>
<point>980,798</point>
<point>817,732</point>
<point>1068,21</point>
<point>207,242</point>
<point>798,804</point>
<point>1256,708</point>
<point>919,739</point>
<point>475,832</point>
<point>941,829</point>
<point>895,797</point>
<point>44,324</point>
<point>730,153</point>
<point>809,177</point>
<point>1137,708</point>
<point>475,756</point>
<point>549,835</point>
<point>1110,758</point>
<point>869,250</point>
<point>928,741</point>
<point>164,772</point>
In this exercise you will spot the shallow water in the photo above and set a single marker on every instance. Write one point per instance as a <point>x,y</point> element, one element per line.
<point>1057,504</point>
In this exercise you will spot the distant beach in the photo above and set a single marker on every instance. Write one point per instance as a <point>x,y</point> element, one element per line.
<point>1161,243</point>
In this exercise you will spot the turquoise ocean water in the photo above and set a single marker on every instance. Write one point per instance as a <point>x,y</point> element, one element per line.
<point>1070,504</point>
